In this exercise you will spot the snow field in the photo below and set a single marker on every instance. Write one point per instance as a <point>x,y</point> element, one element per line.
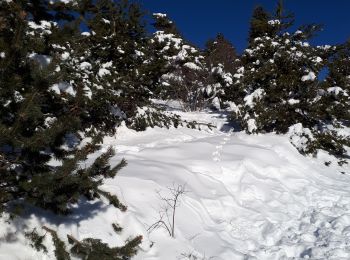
<point>248,197</point>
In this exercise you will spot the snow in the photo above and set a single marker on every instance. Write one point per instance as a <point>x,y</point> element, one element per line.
<point>106,21</point>
<point>18,97</point>
<point>310,76</point>
<point>44,27</point>
<point>240,73</point>
<point>293,101</point>
<point>139,53</point>
<point>249,51</point>
<point>104,70</point>
<point>67,1</point>
<point>182,55</point>
<point>317,59</point>
<point>43,60</point>
<point>120,50</point>
<point>274,22</point>
<point>256,95</point>
<point>85,65</point>
<point>299,54</point>
<point>336,91</point>
<point>300,137</point>
<point>160,15</point>
<point>251,197</point>
<point>227,77</point>
<point>192,66</point>
<point>169,39</point>
<point>65,55</point>
<point>216,103</point>
<point>49,121</point>
<point>251,125</point>
<point>63,87</point>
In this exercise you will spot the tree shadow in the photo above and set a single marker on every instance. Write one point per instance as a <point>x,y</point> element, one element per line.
<point>83,210</point>
<point>230,125</point>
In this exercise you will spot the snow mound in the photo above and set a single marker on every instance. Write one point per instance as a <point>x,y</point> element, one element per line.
<point>310,76</point>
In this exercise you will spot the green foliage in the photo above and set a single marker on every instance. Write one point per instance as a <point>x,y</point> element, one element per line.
<point>331,142</point>
<point>259,24</point>
<point>117,228</point>
<point>89,248</point>
<point>221,51</point>
<point>94,249</point>
<point>113,200</point>
<point>263,23</point>
<point>36,240</point>
<point>60,248</point>
<point>162,23</point>
<point>151,117</point>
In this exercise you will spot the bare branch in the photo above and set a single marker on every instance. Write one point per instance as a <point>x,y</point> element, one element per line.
<point>167,211</point>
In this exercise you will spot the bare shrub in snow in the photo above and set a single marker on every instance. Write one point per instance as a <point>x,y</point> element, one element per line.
<point>167,212</point>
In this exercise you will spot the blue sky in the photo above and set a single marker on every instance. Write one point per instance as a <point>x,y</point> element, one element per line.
<point>199,20</point>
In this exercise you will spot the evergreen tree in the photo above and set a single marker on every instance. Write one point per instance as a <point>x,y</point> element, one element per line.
<point>263,23</point>
<point>221,61</point>
<point>336,90</point>
<point>221,51</point>
<point>43,118</point>
<point>113,52</point>
<point>182,66</point>
<point>281,91</point>
<point>280,78</point>
<point>162,23</point>
<point>259,25</point>
<point>50,101</point>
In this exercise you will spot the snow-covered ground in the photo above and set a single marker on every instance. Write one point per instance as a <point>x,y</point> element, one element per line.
<point>247,197</point>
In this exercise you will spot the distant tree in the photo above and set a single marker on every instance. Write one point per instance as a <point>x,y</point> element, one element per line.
<point>263,23</point>
<point>338,80</point>
<point>180,65</point>
<point>259,23</point>
<point>162,23</point>
<point>221,51</point>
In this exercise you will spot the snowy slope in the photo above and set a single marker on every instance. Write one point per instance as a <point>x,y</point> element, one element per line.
<point>248,197</point>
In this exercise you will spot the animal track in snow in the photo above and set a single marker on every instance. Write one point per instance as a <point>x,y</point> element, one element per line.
<point>216,154</point>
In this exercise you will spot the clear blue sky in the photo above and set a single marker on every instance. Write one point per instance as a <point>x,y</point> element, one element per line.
<point>199,20</point>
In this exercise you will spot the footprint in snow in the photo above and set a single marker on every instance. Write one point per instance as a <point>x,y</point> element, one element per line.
<point>216,154</point>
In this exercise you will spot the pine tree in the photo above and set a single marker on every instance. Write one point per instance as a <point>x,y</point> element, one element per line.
<point>281,91</point>
<point>113,54</point>
<point>259,25</point>
<point>43,117</point>
<point>162,23</point>
<point>221,51</point>
<point>221,61</point>
<point>182,66</point>
<point>336,90</point>
<point>263,23</point>
<point>50,102</point>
